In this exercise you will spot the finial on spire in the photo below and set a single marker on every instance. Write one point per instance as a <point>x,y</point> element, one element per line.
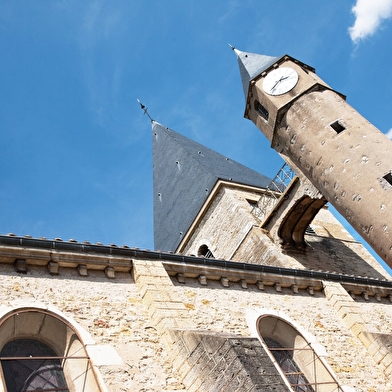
<point>145,110</point>
<point>232,47</point>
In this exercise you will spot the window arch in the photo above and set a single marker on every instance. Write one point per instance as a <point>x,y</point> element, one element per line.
<point>41,350</point>
<point>295,357</point>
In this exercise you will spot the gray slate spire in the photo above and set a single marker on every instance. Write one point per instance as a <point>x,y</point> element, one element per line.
<point>252,65</point>
<point>184,173</point>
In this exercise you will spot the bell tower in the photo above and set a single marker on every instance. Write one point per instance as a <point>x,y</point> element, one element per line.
<point>320,135</point>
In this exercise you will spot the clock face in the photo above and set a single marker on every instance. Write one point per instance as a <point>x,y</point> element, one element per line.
<point>280,81</point>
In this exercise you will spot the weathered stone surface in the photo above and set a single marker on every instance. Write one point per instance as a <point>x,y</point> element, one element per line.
<point>111,311</point>
<point>228,363</point>
<point>140,321</point>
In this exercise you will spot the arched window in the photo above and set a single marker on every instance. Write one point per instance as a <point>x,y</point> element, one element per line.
<point>204,251</point>
<point>40,350</point>
<point>285,360</point>
<point>30,365</point>
<point>294,356</point>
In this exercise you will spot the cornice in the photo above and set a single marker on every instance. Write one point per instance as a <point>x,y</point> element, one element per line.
<point>25,253</point>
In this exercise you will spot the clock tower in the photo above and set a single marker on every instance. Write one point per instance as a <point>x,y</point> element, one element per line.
<point>314,129</point>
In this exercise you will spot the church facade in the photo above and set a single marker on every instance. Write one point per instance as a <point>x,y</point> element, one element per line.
<point>257,286</point>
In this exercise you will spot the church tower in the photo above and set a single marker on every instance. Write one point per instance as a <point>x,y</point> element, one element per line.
<point>322,137</point>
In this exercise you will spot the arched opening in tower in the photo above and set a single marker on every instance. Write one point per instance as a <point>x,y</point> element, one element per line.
<point>293,227</point>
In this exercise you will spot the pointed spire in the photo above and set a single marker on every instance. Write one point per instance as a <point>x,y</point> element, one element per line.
<point>185,172</point>
<point>252,65</point>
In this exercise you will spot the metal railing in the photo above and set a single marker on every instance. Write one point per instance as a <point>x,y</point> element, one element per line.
<point>273,192</point>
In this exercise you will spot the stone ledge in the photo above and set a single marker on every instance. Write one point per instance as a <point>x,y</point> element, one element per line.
<point>226,276</point>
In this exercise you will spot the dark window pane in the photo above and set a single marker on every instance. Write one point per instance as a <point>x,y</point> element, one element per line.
<point>338,126</point>
<point>388,177</point>
<point>28,370</point>
<point>205,252</point>
<point>261,110</point>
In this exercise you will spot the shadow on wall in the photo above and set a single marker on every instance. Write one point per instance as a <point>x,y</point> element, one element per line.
<point>335,255</point>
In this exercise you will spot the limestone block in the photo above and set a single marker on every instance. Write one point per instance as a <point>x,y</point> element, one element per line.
<point>103,355</point>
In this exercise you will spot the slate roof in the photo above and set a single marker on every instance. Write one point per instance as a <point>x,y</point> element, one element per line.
<point>252,65</point>
<point>184,174</point>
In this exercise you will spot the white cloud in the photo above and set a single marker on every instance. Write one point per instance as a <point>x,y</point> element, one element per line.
<point>389,134</point>
<point>368,17</point>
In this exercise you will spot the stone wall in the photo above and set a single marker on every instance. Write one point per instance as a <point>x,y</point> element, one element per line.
<point>230,231</point>
<point>113,314</point>
<point>218,228</point>
<point>229,363</point>
<point>206,360</point>
<point>225,310</point>
<point>334,245</point>
<point>144,325</point>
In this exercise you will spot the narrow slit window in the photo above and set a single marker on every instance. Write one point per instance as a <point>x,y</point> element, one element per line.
<point>388,178</point>
<point>261,110</point>
<point>338,127</point>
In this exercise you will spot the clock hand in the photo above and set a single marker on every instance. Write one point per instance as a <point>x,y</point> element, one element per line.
<point>277,82</point>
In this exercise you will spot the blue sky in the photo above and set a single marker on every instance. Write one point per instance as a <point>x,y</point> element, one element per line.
<point>76,148</point>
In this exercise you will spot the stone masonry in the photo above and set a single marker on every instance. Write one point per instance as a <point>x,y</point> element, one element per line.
<point>191,330</point>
